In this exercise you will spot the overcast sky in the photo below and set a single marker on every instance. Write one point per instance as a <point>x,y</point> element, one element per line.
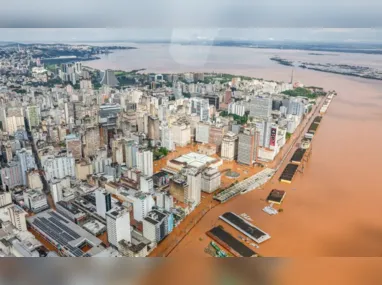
<point>340,20</point>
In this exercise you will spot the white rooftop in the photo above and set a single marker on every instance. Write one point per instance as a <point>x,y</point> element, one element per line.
<point>195,159</point>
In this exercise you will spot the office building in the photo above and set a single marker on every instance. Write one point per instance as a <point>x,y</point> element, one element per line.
<point>118,226</point>
<point>261,107</point>
<point>247,149</point>
<point>202,133</point>
<point>103,202</point>
<point>17,216</point>
<point>229,146</point>
<point>200,107</point>
<point>213,100</point>
<point>211,180</point>
<point>145,162</point>
<point>216,136</point>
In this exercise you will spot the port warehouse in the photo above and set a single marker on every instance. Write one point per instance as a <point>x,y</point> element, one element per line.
<point>288,173</point>
<point>276,196</point>
<point>245,227</point>
<point>298,156</point>
<point>227,241</point>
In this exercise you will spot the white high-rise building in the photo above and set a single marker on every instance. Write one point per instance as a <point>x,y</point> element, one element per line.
<point>166,138</point>
<point>194,181</point>
<point>229,146</point>
<point>103,202</point>
<point>142,204</point>
<point>181,134</point>
<point>5,199</point>
<point>27,162</point>
<point>17,216</point>
<point>211,180</point>
<point>202,133</point>
<point>237,108</point>
<point>145,162</point>
<point>58,166</point>
<point>118,226</point>
<point>261,107</point>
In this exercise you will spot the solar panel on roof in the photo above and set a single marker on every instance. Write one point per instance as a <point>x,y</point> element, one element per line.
<point>54,214</point>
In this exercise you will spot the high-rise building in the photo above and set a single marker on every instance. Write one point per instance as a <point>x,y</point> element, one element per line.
<point>211,180</point>
<point>229,146</point>
<point>17,216</point>
<point>202,132</point>
<point>74,145</point>
<point>157,225</point>
<point>200,107</point>
<point>131,149</point>
<point>117,148</point>
<point>181,133</point>
<point>58,166</point>
<point>11,175</point>
<point>247,149</point>
<point>145,162</point>
<point>261,107</point>
<point>237,108</point>
<point>228,96</point>
<point>5,198</point>
<point>166,138</point>
<point>213,100</point>
<point>91,141</point>
<point>194,181</point>
<point>33,116</point>
<point>153,128</point>
<point>27,162</point>
<point>103,202</point>
<point>296,107</point>
<point>142,204</point>
<point>118,226</point>
<point>216,136</point>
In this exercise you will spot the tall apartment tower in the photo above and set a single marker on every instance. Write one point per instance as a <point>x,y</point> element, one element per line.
<point>145,162</point>
<point>229,146</point>
<point>103,202</point>
<point>118,226</point>
<point>261,107</point>
<point>247,150</point>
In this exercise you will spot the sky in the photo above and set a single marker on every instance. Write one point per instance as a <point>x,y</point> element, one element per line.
<point>99,20</point>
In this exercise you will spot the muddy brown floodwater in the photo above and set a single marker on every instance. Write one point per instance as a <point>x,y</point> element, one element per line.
<point>334,207</point>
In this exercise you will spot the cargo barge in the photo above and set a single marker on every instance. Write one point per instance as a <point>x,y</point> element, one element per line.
<point>245,227</point>
<point>288,173</point>
<point>298,156</point>
<point>227,241</point>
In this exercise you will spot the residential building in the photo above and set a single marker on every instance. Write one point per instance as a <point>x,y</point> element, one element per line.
<point>194,182</point>
<point>17,216</point>
<point>118,226</point>
<point>142,204</point>
<point>145,162</point>
<point>157,225</point>
<point>33,116</point>
<point>11,175</point>
<point>58,166</point>
<point>237,108</point>
<point>166,138</point>
<point>5,198</point>
<point>27,162</point>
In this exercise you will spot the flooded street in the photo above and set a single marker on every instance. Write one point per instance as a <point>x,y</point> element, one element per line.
<point>333,208</point>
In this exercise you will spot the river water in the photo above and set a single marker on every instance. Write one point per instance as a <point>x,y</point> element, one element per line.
<point>333,209</point>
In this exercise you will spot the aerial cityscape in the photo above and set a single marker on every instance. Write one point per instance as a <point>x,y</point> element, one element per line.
<point>103,159</point>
